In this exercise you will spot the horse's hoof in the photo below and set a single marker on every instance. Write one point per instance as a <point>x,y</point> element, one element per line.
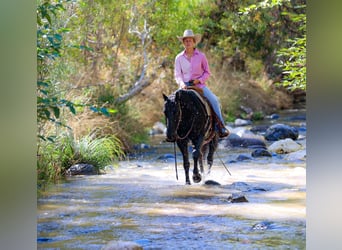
<point>187,183</point>
<point>196,178</point>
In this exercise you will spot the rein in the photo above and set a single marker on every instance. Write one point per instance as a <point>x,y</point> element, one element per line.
<point>174,149</point>
<point>179,121</point>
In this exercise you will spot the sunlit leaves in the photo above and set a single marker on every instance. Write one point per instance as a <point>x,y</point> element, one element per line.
<point>293,58</point>
<point>292,54</point>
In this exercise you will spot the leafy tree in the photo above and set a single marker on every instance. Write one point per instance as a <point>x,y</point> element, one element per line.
<point>293,59</point>
<point>49,46</point>
<point>291,56</point>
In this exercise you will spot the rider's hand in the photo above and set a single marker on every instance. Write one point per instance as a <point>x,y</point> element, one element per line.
<point>196,81</point>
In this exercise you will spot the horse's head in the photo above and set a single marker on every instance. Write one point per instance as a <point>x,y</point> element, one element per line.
<point>172,116</point>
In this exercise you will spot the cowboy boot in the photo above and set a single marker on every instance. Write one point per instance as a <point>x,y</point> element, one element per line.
<point>223,131</point>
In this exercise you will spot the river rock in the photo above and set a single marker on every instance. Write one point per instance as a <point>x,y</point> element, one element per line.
<point>237,198</point>
<point>262,225</point>
<point>261,153</point>
<point>212,183</point>
<point>296,156</point>
<point>274,116</point>
<point>166,156</point>
<point>259,129</point>
<point>243,158</point>
<point>122,245</point>
<point>284,146</point>
<point>242,122</point>
<point>281,131</point>
<point>244,187</point>
<point>81,169</point>
<point>235,140</point>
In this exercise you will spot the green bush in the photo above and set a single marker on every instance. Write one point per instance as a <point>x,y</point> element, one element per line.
<point>54,158</point>
<point>97,151</point>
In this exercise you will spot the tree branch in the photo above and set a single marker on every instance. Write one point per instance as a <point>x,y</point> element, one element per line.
<point>144,36</point>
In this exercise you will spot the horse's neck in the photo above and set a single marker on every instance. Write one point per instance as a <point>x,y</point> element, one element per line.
<point>191,115</point>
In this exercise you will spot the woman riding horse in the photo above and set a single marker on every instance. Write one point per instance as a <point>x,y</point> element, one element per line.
<point>192,68</point>
<point>187,119</point>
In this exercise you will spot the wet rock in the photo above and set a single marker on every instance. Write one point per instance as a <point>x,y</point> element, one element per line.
<point>261,153</point>
<point>264,225</point>
<point>212,183</point>
<point>237,198</point>
<point>42,239</point>
<point>259,129</point>
<point>166,157</point>
<point>239,185</point>
<point>243,158</point>
<point>235,140</point>
<point>242,122</point>
<point>122,245</point>
<point>284,146</point>
<point>81,169</point>
<point>281,131</point>
<point>296,156</point>
<point>244,187</point>
<point>141,146</point>
<point>274,116</point>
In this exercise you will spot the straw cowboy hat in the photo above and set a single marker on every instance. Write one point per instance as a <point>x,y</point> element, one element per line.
<point>190,33</point>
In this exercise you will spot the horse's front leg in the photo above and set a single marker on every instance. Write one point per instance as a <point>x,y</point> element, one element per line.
<point>183,147</point>
<point>197,157</point>
<point>212,148</point>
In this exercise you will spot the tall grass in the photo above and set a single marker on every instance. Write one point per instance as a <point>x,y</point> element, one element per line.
<point>54,158</point>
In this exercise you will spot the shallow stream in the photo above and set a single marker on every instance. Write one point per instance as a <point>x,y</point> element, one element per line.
<point>141,201</point>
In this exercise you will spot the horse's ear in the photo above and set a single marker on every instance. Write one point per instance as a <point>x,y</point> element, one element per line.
<point>165,97</point>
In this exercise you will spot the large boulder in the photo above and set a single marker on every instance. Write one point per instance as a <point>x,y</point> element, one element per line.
<point>234,140</point>
<point>281,131</point>
<point>284,146</point>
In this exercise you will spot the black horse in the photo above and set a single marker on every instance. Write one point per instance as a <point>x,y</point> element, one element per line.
<point>188,119</point>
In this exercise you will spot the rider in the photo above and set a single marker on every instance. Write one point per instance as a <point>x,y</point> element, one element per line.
<point>192,68</point>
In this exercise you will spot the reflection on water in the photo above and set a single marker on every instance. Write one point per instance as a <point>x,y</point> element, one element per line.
<point>142,201</point>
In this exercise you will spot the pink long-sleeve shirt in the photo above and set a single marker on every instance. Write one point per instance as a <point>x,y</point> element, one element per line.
<point>187,69</point>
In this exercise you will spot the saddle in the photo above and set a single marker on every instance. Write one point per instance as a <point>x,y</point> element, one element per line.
<point>199,93</point>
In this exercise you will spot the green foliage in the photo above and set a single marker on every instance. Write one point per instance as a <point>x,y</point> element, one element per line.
<point>291,56</point>
<point>293,59</point>
<point>256,29</point>
<point>54,158</point>
<point>97,151</point>
<point>258,116</point>
<point>49,46</point>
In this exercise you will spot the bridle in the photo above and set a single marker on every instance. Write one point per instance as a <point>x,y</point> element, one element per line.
<point>178,124</point>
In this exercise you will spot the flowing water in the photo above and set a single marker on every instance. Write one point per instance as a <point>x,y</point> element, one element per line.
<point>142,201</point>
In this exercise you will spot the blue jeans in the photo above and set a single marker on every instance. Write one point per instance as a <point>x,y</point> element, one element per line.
<point>214,101</point>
